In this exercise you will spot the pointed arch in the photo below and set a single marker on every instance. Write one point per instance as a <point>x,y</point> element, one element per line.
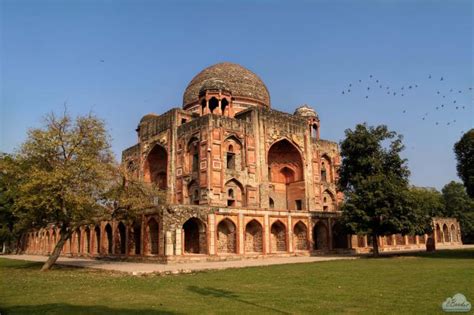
<point>233,153</point>
<point>439,235</point>
<point>108,239</point>
<point>98,242</point>
<point>278,237</point>
<point>153,236</point>
<point>120,239</point>
<point>329,201</point>
<point>339,236</point>
<point>445,234</point>
<point>300,236</point>
<point>286,174</point>
<point>235,193</point>
<point>226,237</point>
<point>193,192</point>
<point>134,238</point>
<point>326,169</point>
<point>320,236</point>
<point>195,239</point>
<point>87,235</point>
<point>454,235</point>
<point>253,237</point>
<point>156,166</point>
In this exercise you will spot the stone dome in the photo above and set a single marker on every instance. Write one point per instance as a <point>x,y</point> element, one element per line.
<point>306,111</point>
<point>241,82</point>
<point>214,84</point>
<point>148,117</point>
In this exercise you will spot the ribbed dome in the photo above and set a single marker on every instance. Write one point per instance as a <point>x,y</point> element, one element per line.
<point>306,111</point>
<point>148,117</point>
<point>240,81</point>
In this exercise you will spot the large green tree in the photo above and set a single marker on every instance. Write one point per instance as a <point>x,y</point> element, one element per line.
<point>374,179</point>
<point>62,171</point>
<point>427,201</point>
<point>7,217</point>
<point>459,205</point>
<point>464,150</point>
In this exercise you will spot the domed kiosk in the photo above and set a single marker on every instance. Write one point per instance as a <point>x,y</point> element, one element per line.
<point>245,87</point>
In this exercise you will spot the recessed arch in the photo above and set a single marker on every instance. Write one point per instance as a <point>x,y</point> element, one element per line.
<point>121,240</point>
<point>300,236</point>
<point>98,242</point>
<point>286,175</point>
<point>278,237</point>
<point>320,236</point>
<point>195,239</point>
<point>445,233</point>
<point>339,236</point>
<point>153,236</point>
<point>454,235</point>
<point>213,104</point>
<point>439,235</point>
<point>87,234</point>
<point>226,237</point>
<point>253,237</point>
<point>329,201</point>
<point>156,166</point>
<point>235,193</point>
<point>109,239</point>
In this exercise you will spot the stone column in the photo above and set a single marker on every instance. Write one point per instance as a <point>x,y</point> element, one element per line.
<point>178,242</point>
<point>266,236</point>
<point>290,235</point>
<point>212,234</point>
<point>241,234</point>
<point>168,244</point>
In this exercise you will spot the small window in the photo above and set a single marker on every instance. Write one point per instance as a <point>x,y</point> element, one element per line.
<point>230,203</point>
<point>299,205</point>
<point>314,131</point>
<point>183,121</point>
<point>272,203</point>
<point>230,161</point>
<point>323,172</point>
<point>195,162</point>
<point>231,194</point>
<point>325,208</point>
<point>325,199</point>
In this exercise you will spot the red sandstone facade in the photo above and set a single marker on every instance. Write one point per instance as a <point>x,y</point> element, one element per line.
<point>240,178</point>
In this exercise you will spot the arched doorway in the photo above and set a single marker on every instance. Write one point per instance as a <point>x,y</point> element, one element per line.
<point>226,237</point>
<point>134,237</point>
<point>454,235</point>
<point>234,193</point>
<point>446,233</point>
<point>195,241</point>
<point>97,240</point>
<point>278,237</point>
<point>156,167</point>
<point>87,234</point>
<point>121,240</point>
<point>253,237</point>
<point>153,236</point>
<point>439,236</point>
<point>339,236</point>
<point>285,166</point>
<point>78,241</point>
<point>320,237</point>
<point>300,236</point>
<point>109,239</point>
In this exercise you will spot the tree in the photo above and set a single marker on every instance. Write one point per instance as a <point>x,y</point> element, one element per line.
<point>460,206</point>
<point>374,179</point>
<point>7,217</point>
<point>428,201</point>
<point>63,170</point>
<point>464,150</point>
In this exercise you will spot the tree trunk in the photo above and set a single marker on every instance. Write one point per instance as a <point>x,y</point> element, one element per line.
<point>65,235</point>
<point>375,245</point>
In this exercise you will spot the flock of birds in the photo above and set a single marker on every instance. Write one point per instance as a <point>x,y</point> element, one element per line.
<point>448,97</point>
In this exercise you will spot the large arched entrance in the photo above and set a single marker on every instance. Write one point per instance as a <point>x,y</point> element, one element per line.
<point>278,237</point>
<point>87,234</point>
<point>156,167</point>
<point>285,166</point>
<point>439,236</point>
<point>253,237</point>
<point>134,237</point>
<point>98,242</point>
<point>445,233</point>
<point>300,236</point>
<point>226,237</point>
<point>320,237</point>
<point>195,241</point>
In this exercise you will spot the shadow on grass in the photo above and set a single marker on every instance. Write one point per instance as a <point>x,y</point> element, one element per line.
<point>62,308</point>
<point>443,254</point>
<point>219,293</point>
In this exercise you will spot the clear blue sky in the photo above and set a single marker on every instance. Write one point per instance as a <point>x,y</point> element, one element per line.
<point>305,52</point>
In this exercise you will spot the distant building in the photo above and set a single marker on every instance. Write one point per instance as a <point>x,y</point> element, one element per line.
<point>241,179</point>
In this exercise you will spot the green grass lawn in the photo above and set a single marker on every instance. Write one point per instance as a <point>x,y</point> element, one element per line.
<point>412,283</point>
